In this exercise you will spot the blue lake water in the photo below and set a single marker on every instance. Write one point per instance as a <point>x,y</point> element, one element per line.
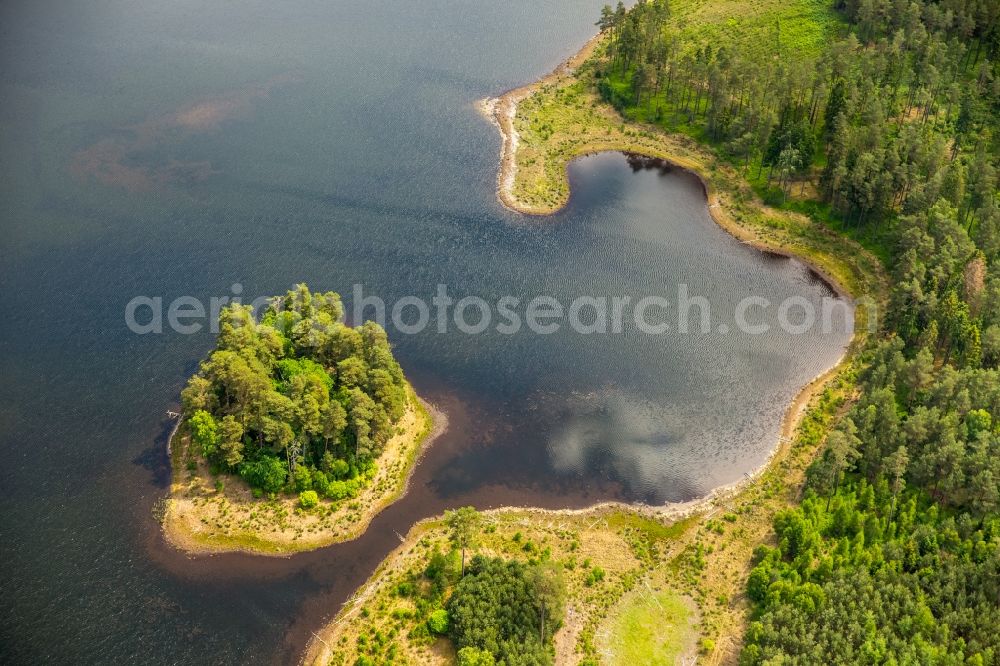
<point>169,149</point>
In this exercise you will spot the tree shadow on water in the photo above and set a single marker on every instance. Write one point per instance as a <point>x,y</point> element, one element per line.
<point>155,458</point>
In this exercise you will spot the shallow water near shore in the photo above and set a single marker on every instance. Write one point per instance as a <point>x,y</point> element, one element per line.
<point>176,150</point>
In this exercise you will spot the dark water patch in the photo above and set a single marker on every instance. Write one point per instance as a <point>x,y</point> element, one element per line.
<point>639,162</point>
<point>156,459</point>
<point>774,256</point>
<point>817,278</point>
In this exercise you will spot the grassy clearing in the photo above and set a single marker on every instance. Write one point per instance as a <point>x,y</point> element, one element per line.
<point>760,27</point>
<point>653,627</point>
<point>219,514</point>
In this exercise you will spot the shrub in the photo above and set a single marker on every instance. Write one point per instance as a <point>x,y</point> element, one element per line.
<point>339,469</point>
<point>758,583</point>
<point>419,634</point>
<point>302,479</point>
<point>308,499</point>
<point>442,569</point>
<point>473,656</point>
<point>437,622</point>
<point>320,483</point>
<point>595,576</point>
<point>267,473</point>
<point>339,490</point>
<point>204,433</point>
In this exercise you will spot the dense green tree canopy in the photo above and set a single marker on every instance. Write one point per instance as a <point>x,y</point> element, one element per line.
<point>898,113</point>
<point>296,400</point>
<point>507,610</point>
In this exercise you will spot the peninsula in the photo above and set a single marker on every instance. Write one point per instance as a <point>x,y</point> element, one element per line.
<point>638,583</point>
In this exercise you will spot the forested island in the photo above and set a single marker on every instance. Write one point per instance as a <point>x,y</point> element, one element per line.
<point>296,430</point>
<point>864,137</point>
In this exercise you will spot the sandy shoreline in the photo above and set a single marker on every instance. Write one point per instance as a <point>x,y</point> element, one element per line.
<point>501,112</point>
<point>194,510</point>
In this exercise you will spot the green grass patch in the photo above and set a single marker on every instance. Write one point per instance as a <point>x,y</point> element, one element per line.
<point>780,28</point>
<point>654,529</point>
<point>652,629</point>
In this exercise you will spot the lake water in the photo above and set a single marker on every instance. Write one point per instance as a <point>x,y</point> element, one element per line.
<point>169,149</point>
